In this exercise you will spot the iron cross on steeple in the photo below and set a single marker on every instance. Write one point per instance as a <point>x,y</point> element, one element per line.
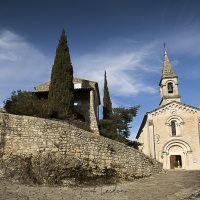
<point>164,48</point>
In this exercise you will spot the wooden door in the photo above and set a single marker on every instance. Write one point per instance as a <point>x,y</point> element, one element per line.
<point>172,161</point>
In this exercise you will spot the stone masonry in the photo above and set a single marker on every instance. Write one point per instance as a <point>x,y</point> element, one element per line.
<point>24,135</point>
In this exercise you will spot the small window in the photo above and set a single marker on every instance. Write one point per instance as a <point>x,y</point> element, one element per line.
<point>170,87</point>
<point>77,85</point>
<point>77,102</point>
<point>173,128</point>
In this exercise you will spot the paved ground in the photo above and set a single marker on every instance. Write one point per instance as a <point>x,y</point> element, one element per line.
<point>169,185</point>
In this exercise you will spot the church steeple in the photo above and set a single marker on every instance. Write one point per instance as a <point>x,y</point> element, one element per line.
<point>167,70</point>
<point>168,83</point>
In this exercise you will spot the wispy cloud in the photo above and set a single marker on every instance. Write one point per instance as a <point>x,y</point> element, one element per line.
<point>183,41</point>
<point>130,64</point>
<point>19,60</point>
<point>22,65</point>
<point>126,67</point>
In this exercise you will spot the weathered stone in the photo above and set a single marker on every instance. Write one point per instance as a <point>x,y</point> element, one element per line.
<point>90,147</point>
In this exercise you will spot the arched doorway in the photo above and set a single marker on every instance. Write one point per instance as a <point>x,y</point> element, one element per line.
<point>176,155</point>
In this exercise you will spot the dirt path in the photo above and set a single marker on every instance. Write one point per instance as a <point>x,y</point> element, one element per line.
<point>172,185</point>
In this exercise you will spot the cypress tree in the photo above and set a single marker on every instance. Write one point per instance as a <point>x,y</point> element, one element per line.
<point>61,89</point>
<point>107,105</point>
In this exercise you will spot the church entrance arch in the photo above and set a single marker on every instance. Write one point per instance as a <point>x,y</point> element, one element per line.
<point>176,154</point>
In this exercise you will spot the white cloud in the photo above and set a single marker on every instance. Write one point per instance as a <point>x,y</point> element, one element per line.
<point>20,61</point>
<point>126,67</point>
<point>130,65</point>
<point>183,40</point>
<point>22,65</point>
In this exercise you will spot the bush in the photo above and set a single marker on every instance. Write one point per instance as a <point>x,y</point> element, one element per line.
<point>26,103</point>
<point>54,169</point>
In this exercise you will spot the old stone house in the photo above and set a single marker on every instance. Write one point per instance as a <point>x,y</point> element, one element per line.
<point>171,133</point>
<point>86,100</point>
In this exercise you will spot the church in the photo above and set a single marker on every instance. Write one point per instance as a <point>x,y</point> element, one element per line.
<point>171,132</point>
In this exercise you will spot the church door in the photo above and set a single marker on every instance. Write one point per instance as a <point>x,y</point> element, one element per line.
<point>172,162</point>
<point>175,161</point>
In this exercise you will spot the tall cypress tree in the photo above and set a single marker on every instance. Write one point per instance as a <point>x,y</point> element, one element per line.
<point>61,89</point>
<point>107,105</point>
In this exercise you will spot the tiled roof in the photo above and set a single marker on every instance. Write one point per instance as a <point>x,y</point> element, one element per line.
<point>86,84</point>
<point>180,103</point>
<point>43,87</point>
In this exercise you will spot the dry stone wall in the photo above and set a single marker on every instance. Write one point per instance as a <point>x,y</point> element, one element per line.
<point>24,135</point>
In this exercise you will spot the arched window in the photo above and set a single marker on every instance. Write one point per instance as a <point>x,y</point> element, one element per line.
<point>173,127</point>
<point>170,87</point>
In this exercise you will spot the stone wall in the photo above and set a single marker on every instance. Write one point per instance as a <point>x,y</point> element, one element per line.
<point>23,135</point>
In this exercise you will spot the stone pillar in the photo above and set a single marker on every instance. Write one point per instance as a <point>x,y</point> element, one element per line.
<point>3,124</point>
<point>151,139</point>
<point>93,117</point>
<point>199,129</point>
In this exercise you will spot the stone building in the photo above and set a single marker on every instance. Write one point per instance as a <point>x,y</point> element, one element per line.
<point>86,100</point>
<point>171,133</point>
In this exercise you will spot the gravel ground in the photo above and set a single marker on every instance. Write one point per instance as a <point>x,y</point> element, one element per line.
<point>166,185</point>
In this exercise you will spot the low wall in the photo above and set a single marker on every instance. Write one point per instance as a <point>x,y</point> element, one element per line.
<point>24,135</point>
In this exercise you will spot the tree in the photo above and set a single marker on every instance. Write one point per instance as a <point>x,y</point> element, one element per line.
<point>116,121</point>
<point>107,105</point>
<point>26,103</point>
<point>61,89</point>
<point>20,102</point>
<point>118,125</point>
<point>122,117</point>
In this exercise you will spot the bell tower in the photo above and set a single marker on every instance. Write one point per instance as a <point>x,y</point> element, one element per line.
<point>168,83</point>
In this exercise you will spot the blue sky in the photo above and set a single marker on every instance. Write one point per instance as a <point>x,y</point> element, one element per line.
<point>125,38</point>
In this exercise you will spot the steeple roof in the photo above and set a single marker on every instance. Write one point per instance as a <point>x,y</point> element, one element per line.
<point>167,70</point>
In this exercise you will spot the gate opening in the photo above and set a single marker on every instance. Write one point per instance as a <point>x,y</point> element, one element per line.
<point>175,161</point>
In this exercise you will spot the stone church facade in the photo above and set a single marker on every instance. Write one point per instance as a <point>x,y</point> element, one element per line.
<point>171,133</point>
